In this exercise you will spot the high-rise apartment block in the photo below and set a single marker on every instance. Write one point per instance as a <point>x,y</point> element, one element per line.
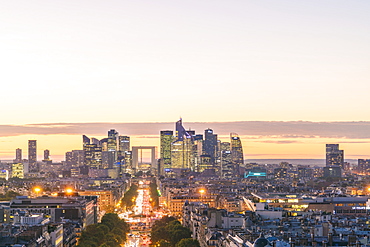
<point>334,156</point>
<point>364,166</point>
<point>68,158</point>
<point>47,157</point>
<point>46,154</point>
<point>32,152</point>
<point>18,156</point>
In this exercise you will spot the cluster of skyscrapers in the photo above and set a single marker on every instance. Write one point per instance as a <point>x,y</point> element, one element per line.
<point>184,149</point>
<point>112,152</point>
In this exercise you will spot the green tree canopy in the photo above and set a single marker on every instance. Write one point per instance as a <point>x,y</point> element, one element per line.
<point>188,242</point>
<point>168,231</point>
<point>110,232</point>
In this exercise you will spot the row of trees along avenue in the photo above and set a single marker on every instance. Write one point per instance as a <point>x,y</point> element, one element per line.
<point>154,193</point>
<point>168,232</point>
<point>129,197</point>
<point>111,232</point>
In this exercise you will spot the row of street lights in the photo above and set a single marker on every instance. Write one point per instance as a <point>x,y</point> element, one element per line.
<point>38,190</point>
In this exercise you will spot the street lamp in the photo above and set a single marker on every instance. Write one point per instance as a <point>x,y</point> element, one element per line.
<point>69,191</point>
<point>37,190</point>
<point>202,191</point>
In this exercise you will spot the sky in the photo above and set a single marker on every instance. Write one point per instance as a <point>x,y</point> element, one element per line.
<point>213,61</point>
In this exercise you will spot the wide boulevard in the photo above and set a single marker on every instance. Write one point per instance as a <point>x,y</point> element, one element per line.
<point>140,218</point>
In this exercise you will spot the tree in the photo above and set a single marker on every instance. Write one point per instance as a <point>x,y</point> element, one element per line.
<point>164,243</point>
<point>163,222</point>
<point>154,193</point>
<point>159,234</point>
<point>169,230</point>
<point>110,232</point>
<point>128,197</point>
<point>177,235</point>
<point>188,242</point>
<point>88,243</point>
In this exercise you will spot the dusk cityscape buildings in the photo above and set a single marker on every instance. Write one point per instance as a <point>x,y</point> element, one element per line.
<point>185,123</point>
<point>194,173</point>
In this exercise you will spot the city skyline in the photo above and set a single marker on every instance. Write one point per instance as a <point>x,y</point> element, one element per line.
<point>261,140</point>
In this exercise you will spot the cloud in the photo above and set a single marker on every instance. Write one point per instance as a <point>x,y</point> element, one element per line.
<point>259,129</point>
<point>280,142</point>
<point>148,137</point>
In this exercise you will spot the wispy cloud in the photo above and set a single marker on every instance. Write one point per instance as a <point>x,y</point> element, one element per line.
<point>280,142</point>
<point>253,129</point>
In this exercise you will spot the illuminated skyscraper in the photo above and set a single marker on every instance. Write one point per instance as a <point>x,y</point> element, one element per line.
<point>181,148</point>
<point>236,151</point>
<point>210,144</point>
<point>112,144</point>
<point>226,165</point>
<point>93,156</point>
<point>127,168</point>
<point>123,147</point>
<point>166,139</point>
<point>32,152</point>
<point>123,143</point>
<point>334,156</point>
<point>196,152</point>
<point>92,153</point>
<point>18,156</point>
<point>112,140</point>
<point>181,154</point>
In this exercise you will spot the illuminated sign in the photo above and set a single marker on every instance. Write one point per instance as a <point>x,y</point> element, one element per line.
<point>255,174</point>
<point>360,208</point>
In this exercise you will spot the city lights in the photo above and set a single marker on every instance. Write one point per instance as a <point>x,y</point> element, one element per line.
<point>37,190</point>
<point>69,191</point>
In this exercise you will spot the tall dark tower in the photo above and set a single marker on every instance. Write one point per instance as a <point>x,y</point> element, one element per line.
<point>32,152</point>
<point>46,154</point>
<point>334,156</point>
<point>210,144</point>
<point>18,155</point>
